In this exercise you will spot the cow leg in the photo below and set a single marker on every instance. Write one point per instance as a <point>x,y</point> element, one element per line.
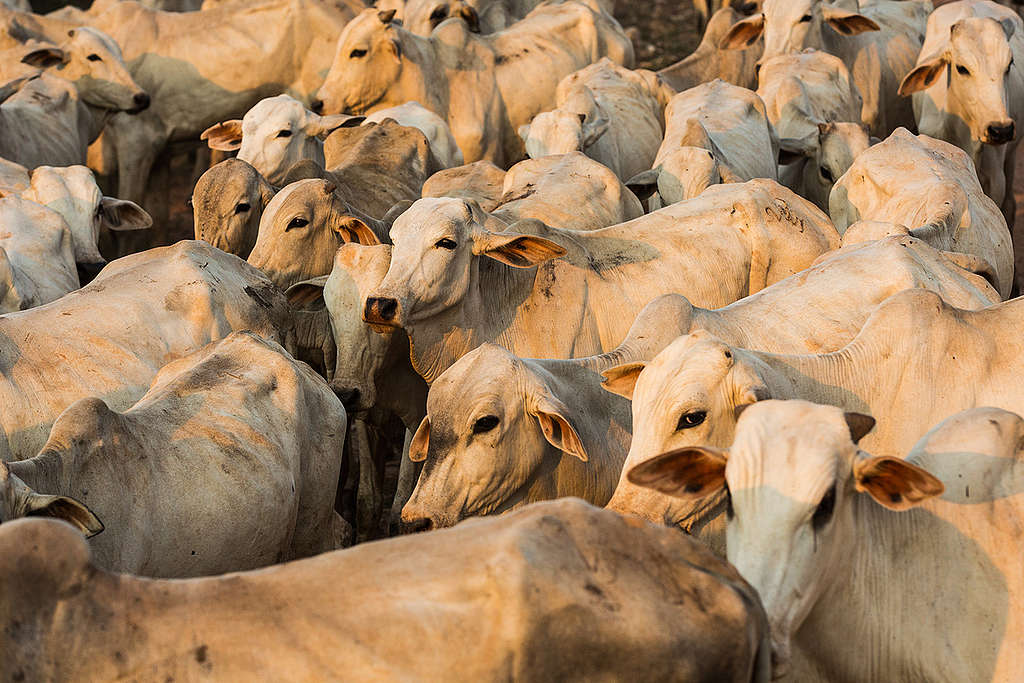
<point>408,474</point>
<point>368,494</point>
<point>138,140</point>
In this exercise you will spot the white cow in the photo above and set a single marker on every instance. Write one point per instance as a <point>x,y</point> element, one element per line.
<point>439,135</point>
<point>827,533</point>
<point>37,260</point>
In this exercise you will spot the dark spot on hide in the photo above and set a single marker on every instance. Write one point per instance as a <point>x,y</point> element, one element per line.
<point>257,296</point>
<point>596,590</point>
<point>201,653</point>
<point>895,497</point>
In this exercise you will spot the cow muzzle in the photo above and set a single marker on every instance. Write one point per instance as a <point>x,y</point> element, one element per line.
<point>381,310</point>
<point>140,102</point>
<point>999,133</point>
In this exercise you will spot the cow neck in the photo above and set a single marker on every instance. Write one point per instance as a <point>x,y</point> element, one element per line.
<point>423,74</point>
<point>91,120</point>
<point>728,325</point>
<point>841,378</point>
<point>45,473</point>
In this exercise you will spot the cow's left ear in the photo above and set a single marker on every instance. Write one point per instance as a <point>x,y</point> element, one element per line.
<point>923,76</point>
<point>308,294</point>
<point>621,379</point>
<point>353,229</point>
<point>322,126</point>
<point>61,507</point>
<point>551,413</point>
<point>846,22</point>
<point>121,214</point>
<point>45,57</point>
<point>895,483</point>
<point>743,33</point>
<point>516,249</point>
<point>688,473</point>
<point>225,137</point>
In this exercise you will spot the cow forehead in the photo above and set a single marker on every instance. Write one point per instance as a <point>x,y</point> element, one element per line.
<point>366,24</point>
<point>431,215</point>
<point>980,40</point>
<point>95,40</point>
<point>487,375</point>
<point>273,110</point>
<point>787,10</point>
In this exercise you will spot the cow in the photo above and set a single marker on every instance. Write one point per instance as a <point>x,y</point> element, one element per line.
<point>480,181</point>
<point>460,277</point>
<point>512,77</point>
<point>236,426</point>
<point>110,338</point>
<point>814,106</point>
<point>714,133</point>
<point>506,584</point>
<point>37,260</point>
<point>810,510</point>
<point>878,44</point>
<point>227,204</point>
<point>709,61</point>
<point>414,115</point>
<point>612,114</point>
<point>931,187</point>
<point>209,66</point>
<point>968,89</point>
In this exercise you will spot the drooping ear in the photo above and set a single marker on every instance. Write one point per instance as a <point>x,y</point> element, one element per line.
<point>645,183</point>
<point>353,229</point>
<point>307,294</point>
<point>62,507</point>
<point>1008,27</point>
<point>516,249</point>
<point>744,33</point>
<point>550,412</point>
<point>322,126</point>
<point>690,473</point>
<point>121,214</point>
<point>386,15</point>
<point>226,136</point>
<point>859,424</point>
<point>894,483</point>
<point>621,379</point>
<point>420,442</point>
<point>45,57</point>
<point>846,22</point>
<point>923,76</point>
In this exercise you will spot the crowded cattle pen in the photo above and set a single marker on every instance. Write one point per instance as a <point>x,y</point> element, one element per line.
<point>493,340</point>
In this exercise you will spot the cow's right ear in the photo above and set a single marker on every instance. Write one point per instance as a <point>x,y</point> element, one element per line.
<point>61,507</point>
<point>621,379</point>
<point>516,249</point>
<point>225,137</point>
<point>923,76</point>
<point>420,442</point>
<point>353,229</point>
<point>123,215</point>
<point>45,57</point>
<point>744,33</point>
<point>645,183</point>
<point>689,473</point>
<point>308,294</point>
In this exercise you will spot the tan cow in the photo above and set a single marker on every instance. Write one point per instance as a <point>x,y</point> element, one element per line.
<point>878,44</point>
<point>482,16</point>
<point>460,277</point>
<point>709,61</point>
<point>110,338</point>
<point>828,534</point>
<point>227,204</point>
<point>815,109</point>
<point>714,133</point>
<point>500,587</point>
<point>229,462</point>
<point>484,86</point>
<point>931,187</point>
<point>968,89</point>
<point>612,114</point>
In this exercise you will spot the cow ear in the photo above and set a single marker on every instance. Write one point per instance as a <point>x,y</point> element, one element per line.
<point>45,57</point>
<point>593,131</point>
<point>420,442</point>
<point>62,507</point>
<point>469,15</point>
<point>121,214</point>
<point>846,22</point>
<point>352,229</point>
<point>690,473</point>
<point>322,126</point>
<point>225,137</point>
<point>744,33</point>
<point>515,249</point>
<point>556,427</point>
<point>308,294</point>
<point>859,425</point>
<point>622,379</point>
<point>749,396</point>
<point>645,183</point>
<point>386,15</point>
<point>923,76</point>
<point>1008,27</point>
<point>895,483</point>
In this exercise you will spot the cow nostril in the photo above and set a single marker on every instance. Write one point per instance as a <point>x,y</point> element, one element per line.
<point>1000,133</point>
<point>348,396</point>
<point>417,525</point>
<point>380,308</point>
<point>317,106</point>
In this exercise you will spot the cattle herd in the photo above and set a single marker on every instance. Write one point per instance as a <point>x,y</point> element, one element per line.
<point>704,374</point>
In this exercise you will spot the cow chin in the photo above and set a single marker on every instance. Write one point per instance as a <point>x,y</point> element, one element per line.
<point>780,655</point>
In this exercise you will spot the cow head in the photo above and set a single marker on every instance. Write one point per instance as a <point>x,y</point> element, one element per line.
<point>92,61</point>
<point>974,67</point>
<point>838,145</point>
<point>368,62</point>
<point>423,16</point>
<point>227,204</point>
<point>573,127</point>
<point>18,500</point>
<point>791,479</point>
<point>492,422</point>
<point>440,247</point>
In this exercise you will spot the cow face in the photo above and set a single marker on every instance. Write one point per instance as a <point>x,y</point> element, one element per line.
<point>791,479</point>
<point>491,423</point>
<point>72,192</point>
<point>686,396</point>
<point>18,500</point>
<point>301,228</point>
<point>573,127</point>
<point>792,25</point>
<point>423,16</point>
<point>440,245</point>
<point>92,61</point>
<point>838,145</point>
<point>227,204</point>
<point>367,64</point>
<point>976,67</point>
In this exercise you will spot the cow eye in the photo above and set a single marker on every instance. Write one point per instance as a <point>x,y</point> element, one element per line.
<point>446,243</point>
<point>827,175</point>
<point>690,420</point>
<point>805,18</point>
<point>241,207</point>
<point>439,13</point>
<point>297,222</point>
<point>94,58</point>
<point>356,54</point>
<point>485,424</point>
<point>823,513</point>
<point>962,70</point>
<point>284,133</point>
